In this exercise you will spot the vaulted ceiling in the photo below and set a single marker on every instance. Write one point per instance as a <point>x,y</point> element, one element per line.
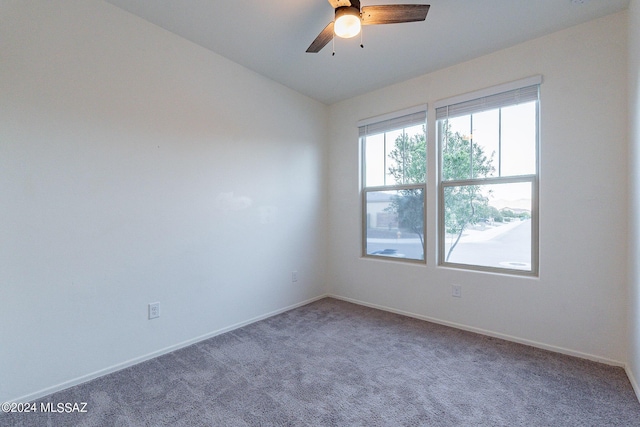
<point>270,37</point>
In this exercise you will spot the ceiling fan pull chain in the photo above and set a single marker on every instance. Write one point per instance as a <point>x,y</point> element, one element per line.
<point>361,45</point>
<point>333,45</point>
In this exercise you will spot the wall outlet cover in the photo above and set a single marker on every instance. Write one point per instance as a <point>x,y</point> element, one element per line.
<point>154,310</point>
<point>456,291</point>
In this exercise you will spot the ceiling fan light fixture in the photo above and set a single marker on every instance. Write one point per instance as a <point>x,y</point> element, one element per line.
<point>349,20</point>
<point>347,23</point>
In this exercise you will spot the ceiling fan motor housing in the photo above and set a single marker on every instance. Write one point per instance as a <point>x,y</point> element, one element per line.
<point>347,10</point>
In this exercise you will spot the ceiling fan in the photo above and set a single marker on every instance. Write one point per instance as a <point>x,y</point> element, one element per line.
<point>349,18</point>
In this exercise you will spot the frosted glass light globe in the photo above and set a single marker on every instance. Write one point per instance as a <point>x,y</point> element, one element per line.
<point>347,25</point>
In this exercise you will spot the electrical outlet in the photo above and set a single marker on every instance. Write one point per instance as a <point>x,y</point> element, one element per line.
<point>294,276</point>
<point>154,310</point>
<point>456,291</point>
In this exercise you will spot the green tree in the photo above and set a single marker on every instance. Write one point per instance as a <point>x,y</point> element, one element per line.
<point>464,205</point>
<point>461,159</point>
<point>409,159</point>
<point>409,166</point>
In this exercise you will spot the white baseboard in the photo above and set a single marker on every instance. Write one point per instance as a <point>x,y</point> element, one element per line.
<point>505,337</point>
<point>633,381</point>
<point>85,378</point>
<point>114,368</point>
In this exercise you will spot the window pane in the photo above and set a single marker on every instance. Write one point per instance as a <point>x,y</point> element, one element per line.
<point>416,155</point>
<point>486,143</point>
<point>489,225</point>
<point>395,156</point>
<point>406,156</point>
<point>395,223</point>
<point>456,148</point>
<point>374,160</point>
<point>519,139</point>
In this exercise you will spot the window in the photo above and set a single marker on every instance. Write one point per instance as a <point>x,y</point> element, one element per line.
<point>488,179</point>
<point>394,164</point>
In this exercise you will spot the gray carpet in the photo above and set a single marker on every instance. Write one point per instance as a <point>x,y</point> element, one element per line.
<point>332,363</point>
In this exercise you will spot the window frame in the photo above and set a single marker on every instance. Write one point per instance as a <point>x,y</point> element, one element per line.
<point>532,178</point>
<point>383,124</point>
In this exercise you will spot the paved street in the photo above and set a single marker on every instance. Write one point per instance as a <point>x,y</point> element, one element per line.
<point>510,248</point>
<point>505,246</point>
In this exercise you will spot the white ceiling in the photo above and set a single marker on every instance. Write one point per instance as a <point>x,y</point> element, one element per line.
<point>270,37</point>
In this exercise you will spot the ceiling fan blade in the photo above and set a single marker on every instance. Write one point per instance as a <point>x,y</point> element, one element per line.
<point>323,38</point>
<point>394,13</point>
<point>339,3</point>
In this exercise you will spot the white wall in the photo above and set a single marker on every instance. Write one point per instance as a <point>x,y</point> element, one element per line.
<point>633,369</point>
<point>577,305</point>
<point>138,167</point>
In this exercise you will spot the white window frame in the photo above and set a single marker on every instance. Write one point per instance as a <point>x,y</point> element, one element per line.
<point>487,99</point>
<point>381,124</point>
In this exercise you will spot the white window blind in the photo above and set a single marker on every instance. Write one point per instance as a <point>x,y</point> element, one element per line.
<point>390,122</point>
<point>490,99</point>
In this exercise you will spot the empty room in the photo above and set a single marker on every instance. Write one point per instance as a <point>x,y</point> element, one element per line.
<point>251,213</point>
